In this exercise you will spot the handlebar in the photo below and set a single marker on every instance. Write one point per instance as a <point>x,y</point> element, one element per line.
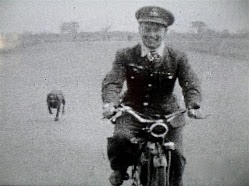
<point>124,108</point>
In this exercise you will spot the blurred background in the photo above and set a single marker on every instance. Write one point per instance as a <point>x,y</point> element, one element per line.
<point>213,26</point>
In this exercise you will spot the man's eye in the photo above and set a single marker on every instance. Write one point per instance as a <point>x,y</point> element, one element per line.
<point>147,29</point>
<point>156,29</point>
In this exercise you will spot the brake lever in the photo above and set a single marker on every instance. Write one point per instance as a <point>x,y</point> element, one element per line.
<point>202,117</point>
<point>113,119</point>
<point>172,116</point>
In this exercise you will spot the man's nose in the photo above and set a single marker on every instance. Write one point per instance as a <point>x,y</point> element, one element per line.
<point>153,34</point>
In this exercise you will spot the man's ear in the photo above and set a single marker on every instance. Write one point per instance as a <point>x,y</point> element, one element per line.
<point>139,29</point>
<point>165,32</point>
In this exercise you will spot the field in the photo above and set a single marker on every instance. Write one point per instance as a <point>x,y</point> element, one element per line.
<point>35,150</point>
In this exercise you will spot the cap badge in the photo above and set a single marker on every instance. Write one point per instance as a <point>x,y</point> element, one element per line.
<point>154,13</point>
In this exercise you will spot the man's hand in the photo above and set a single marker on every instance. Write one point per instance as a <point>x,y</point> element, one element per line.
<point>108,110</point>
<point>195,114</point>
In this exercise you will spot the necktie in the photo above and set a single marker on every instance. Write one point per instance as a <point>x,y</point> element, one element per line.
<point>153,56</point>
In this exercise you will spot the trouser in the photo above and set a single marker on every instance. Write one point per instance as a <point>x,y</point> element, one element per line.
<point>122,153</point>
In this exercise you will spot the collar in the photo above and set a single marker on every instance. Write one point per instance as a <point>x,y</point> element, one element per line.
<point>145,50</point>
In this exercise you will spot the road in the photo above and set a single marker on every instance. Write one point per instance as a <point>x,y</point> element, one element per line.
<point>36,150</point>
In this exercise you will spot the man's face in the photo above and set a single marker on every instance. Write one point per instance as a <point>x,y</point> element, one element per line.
<point>152,34</point>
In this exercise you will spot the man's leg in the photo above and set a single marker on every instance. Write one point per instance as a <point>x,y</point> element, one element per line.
<point>178,161</point>
<point>121,152</point>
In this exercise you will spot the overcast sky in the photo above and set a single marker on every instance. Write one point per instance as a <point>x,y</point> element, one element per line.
<point>46,16</point>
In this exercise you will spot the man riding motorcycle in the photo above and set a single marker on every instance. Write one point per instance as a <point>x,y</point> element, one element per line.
<point>150,70</point>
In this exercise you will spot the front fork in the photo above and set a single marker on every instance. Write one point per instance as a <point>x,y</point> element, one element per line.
<point>158,156</point>
<point>158,151</point>
<point>161,153</point>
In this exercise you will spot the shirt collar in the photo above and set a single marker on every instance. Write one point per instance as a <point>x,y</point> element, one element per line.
<point>145,50</point>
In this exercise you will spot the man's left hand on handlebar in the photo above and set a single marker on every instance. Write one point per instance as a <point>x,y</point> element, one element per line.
<point>195,114</point>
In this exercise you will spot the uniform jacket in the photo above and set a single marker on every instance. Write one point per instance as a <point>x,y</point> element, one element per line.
<point>150,85</point>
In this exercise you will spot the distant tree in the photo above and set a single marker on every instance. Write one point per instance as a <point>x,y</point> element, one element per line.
<point>71,28</point>
<point>199,26</point>
<point>104,32</point>
<point>129,37</point>
<point>225,33</point>
<point>243,33</point>
<point>106,28</point>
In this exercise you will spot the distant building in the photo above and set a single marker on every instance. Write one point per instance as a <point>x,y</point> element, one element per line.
<point>9,41</point>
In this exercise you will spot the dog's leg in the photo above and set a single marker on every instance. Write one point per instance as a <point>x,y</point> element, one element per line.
<point>63,107</point>
<point>58,111</point>
<point>49,109</point>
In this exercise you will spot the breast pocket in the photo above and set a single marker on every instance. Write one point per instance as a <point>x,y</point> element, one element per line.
<point>135,72</point>
<point>136,76</point>
<point>164,75</point>
<point>165,80</point>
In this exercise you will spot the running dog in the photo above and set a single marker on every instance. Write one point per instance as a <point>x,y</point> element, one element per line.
<point>54,100</point>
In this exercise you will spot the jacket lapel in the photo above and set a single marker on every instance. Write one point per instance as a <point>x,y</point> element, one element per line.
<point>137,56</point>
<point>168,59</point>
<point>137,49</point>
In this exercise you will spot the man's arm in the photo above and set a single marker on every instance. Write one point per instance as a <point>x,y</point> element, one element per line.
<point>191,86</point>
<point>113,82</point>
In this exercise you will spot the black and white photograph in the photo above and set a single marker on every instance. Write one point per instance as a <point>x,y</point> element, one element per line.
<point>122,92</point>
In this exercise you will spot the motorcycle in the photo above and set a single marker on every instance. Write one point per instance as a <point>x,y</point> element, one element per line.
<point>153,167</point>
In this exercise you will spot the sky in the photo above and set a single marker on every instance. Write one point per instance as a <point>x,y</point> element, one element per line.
<point>47,15</point>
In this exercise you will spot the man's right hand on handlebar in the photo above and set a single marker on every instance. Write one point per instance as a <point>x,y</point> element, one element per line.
<point>108,110</point>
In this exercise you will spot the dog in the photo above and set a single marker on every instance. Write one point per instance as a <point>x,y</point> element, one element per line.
<point>54,100</point>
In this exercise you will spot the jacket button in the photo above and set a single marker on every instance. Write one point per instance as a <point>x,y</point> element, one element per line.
<point>145,103</point>
<point>132,77</point>
<point>149,85</point>
<point>170,76</point>
<point>151,75</point>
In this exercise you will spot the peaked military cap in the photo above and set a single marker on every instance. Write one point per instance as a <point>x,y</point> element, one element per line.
<point>155,14</point>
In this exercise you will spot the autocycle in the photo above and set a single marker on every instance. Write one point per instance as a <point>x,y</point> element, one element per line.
<point>153,167</point>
